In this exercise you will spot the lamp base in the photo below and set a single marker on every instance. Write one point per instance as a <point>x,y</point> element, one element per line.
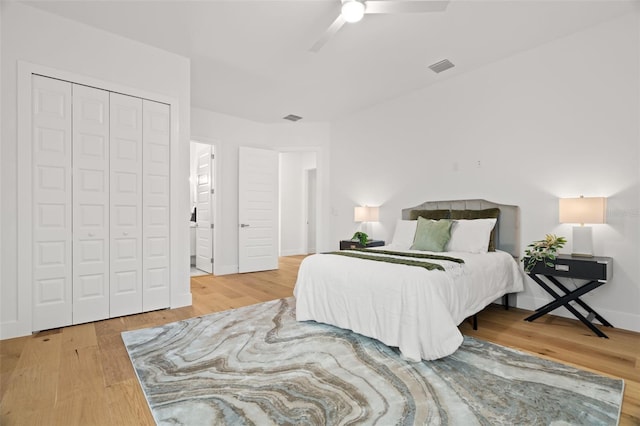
<point>582,241</point>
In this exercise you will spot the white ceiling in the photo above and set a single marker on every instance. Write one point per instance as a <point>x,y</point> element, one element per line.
<point>251,59</point>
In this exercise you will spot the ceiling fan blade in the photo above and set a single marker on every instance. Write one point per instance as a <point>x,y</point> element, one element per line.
<point>414,6</point>
<point>333,28</point>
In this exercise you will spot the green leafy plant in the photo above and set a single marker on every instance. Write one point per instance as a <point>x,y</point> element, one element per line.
<point>544,250</point>
<point>362,237</point>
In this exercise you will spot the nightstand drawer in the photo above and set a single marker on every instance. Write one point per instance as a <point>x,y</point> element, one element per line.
<point>349,244</point>
<point>592,268</point>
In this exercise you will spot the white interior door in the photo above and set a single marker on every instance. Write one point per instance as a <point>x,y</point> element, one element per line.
<point>204,210</point>
<point>156,136</point>
<point>90,204</point>
<point>52,194</point>
<point>257,210</point>
<point>126,204</point>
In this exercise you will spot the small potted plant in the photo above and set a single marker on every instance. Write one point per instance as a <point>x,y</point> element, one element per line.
<point>361,237</point>
<point>544,250</point>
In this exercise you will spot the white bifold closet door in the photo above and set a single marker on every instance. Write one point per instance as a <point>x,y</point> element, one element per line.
<point>52,192</point>
<point>126,204</point>
<point>101,187</point>
<point>90,204</point>
<point>155,204</point>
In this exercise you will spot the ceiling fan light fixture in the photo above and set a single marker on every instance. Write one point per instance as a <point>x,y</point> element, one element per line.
<point>353,10</point>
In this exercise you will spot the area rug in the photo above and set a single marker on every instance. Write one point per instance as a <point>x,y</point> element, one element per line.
<point>257,366</point>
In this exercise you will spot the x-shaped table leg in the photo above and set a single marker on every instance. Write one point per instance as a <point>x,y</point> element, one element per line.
<point>564,301</point>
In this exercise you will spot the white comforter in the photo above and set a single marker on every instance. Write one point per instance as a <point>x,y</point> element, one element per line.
<point>409,307</point>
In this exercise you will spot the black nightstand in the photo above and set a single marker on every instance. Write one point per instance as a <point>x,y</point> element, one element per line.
<point>350,244</point>
<point>597,270</point>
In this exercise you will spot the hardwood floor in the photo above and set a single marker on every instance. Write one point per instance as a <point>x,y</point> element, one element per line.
<point>82,375</point>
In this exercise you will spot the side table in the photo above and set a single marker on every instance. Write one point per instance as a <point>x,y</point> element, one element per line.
<point>351,244</point>
<point>597,270</point>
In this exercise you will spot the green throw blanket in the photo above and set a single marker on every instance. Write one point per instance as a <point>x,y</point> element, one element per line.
<point>358,253</point>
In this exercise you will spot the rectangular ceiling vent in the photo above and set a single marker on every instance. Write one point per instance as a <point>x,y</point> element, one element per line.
<point>444,65</point>
<point>292,117</point>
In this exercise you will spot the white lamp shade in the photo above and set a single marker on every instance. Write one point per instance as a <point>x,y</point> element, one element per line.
<point>352,10</point>
<point>366,214</point>
<point>582,210</point>
<point>374,214</point>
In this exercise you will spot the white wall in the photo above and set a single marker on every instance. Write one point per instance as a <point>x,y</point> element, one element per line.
<point>46,40</point>
<point>231,133</point>
<point>2,207</point>
<point>556,121</point>
<point>293,201</point>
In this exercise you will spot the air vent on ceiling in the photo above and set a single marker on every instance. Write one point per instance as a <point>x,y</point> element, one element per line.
<point>292,117</point>
<point>444,65</point>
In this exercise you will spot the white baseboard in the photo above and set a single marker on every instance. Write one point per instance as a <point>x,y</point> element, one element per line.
<point>623,320</point>
<point>181,300</point>
<point>225,269</point>
<point>292,252</point>
<point>11,329</point>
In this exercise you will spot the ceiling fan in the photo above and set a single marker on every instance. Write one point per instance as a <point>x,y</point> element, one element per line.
<point>354,10</point>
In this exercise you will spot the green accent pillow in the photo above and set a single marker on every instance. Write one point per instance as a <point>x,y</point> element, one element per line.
<point>429,214</point>
<point>480,214</point>
<point>431,235</point>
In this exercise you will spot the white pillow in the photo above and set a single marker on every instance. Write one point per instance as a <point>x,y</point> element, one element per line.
<point>404,233</point>
<point>471,236</point>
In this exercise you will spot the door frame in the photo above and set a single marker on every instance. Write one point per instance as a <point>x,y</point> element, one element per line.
<point>22,324</point>
<point>216,165</point>
<point>320,188</point>
<point>307,175</point>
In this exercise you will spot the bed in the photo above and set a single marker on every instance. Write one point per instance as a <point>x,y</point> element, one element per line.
<point>417,307</point>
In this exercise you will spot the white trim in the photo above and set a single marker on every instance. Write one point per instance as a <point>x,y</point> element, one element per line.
<point>226,269</point>
<point>307,173</point>
<point>321,170</point>
<point>181,299</point>
<point>297,252</point>
<point>1,138</point>
<point>22,325</point>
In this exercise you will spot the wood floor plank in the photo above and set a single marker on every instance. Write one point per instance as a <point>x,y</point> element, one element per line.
<point>128,405</point>
<point>32,391</point>
<point>42,377</point>
<point>79,336</point>
<point>116,366</point>
<point>10,353</point>
<point>81,397</point>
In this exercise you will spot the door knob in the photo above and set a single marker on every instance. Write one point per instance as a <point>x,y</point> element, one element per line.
<point>125,233</point>
<point>244,225</point>
<point>91,234</point>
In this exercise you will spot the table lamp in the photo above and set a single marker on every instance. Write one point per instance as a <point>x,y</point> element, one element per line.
<point>582,210</point>
<point>366,214</point>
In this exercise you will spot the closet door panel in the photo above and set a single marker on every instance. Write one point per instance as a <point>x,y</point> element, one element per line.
<point>156,259</point>
<point>90,204</point>
<point>125,204</point>
<point>52,210</point>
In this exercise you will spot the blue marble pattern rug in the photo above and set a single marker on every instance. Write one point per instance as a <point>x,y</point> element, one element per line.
<point>257,366</point>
